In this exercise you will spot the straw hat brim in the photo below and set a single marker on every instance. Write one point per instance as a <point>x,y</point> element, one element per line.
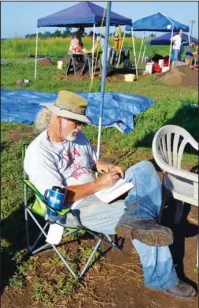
<point>65,113</point>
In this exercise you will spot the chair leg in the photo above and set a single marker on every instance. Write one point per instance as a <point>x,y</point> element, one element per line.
<point>26,220</point>
<point>69,67</point>
<point>84,66</point>
<point>165,197</point>
<point>74,68</point>
<point>179,211</point>
<point>90,258</point>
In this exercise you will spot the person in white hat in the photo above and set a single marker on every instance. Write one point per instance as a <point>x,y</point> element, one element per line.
<point>62,156</point>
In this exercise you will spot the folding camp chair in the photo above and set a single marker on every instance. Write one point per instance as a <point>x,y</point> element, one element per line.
<point>38,208</point>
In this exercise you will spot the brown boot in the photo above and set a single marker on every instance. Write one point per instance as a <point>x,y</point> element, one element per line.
<point>146,231</point>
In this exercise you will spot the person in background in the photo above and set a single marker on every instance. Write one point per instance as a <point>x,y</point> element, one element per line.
<point>177,41</point>
<point>117,37</point>
<point>190,53</point>
<point>76,45</point>
<point>99,42</point>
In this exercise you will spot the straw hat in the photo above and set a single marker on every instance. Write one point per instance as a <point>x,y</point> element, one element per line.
<point>69,105</point>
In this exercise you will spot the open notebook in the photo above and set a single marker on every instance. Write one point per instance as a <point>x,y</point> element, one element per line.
<point>118,189</point>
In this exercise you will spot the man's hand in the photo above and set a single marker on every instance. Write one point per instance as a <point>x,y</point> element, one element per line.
<point>116,169</point>
<point>108,179</point>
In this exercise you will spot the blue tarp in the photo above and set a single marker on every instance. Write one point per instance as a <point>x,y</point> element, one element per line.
<point>157,22</point>
<point>82,14</point>
<point>119,109</point>
<point>165,39</point>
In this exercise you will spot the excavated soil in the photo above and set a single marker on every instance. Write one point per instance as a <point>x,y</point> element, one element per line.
<point>180,76</point>
<point>46,62</point>
<point>115,76</point>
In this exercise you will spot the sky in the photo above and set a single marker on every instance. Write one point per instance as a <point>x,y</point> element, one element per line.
<point>20,18</point>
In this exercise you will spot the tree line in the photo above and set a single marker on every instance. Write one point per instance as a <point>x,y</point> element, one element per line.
<point>68,33</point>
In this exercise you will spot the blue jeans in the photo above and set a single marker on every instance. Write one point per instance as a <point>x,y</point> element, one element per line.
<point>146,198</point>
<point>174,54</point>
<point>143,202</point>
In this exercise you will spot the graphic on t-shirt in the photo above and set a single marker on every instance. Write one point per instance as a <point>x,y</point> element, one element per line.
<point>76,164</point>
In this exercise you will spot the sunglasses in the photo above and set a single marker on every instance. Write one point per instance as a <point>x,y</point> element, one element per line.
<point>78,123</point>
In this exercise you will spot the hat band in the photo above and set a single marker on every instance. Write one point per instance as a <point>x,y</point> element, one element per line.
<point>80,110</point>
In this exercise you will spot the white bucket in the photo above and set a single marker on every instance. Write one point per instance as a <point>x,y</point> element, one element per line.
<point>161,63</point>
<point>165,69</point>
<point>129,77</point>
<point>149,68</point>
<point>60,65</point>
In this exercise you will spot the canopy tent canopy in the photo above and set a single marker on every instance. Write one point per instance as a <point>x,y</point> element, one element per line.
<point>84,14</point>
<point>157,22</point>
<point>165,39</point>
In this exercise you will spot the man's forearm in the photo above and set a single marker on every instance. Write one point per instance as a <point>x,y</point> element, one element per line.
<point>77,192</point>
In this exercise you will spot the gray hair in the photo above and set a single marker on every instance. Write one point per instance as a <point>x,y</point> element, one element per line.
<point>43,119</point>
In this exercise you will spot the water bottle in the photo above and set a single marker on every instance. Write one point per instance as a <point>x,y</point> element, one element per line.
<point>54,198</point>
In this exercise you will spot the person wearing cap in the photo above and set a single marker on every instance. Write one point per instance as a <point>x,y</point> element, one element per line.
<point>61,155</point>
<point>99,42</point>
<point>76,45</point>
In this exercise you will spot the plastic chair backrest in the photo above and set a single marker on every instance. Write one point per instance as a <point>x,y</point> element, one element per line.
<point>170,141</point>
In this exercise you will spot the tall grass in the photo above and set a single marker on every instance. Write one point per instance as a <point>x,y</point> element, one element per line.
<point>16,48</point>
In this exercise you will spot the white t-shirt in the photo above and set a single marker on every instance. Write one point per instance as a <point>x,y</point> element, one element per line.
<point>177,39</point>
<point>59,164</point>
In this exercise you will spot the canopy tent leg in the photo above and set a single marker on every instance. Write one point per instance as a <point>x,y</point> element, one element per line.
<point>143,37</point>
<point>104,72</point>
<point>93,52</point>
<point>134,53</point>
<point>36,52</point>
<point>170,51</point>
<point>143,53</point>
<point>118,61</point>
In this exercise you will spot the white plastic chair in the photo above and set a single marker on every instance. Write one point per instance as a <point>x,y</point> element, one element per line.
<point>168,147</point>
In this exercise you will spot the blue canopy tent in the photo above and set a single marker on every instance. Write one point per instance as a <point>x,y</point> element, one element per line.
<point>165,39</point>
<point>159,23</point>
<point>86,14</point>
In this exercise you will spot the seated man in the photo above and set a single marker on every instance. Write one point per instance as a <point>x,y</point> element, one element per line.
<point>62,156</point>
<point>76,45</point>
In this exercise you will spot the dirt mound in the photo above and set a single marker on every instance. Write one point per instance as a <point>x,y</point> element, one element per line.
<point>117,75</point>
<point>46,61</point>
<point>179,76</point>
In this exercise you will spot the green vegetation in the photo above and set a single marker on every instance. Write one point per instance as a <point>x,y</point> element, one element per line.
<point>16,48</point>
<point>173,106</point>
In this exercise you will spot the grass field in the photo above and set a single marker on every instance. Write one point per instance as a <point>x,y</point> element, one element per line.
<point>16,48</point>
<point>173,106</point>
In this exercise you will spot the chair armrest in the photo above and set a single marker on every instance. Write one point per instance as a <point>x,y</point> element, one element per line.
<point>179,172</point>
